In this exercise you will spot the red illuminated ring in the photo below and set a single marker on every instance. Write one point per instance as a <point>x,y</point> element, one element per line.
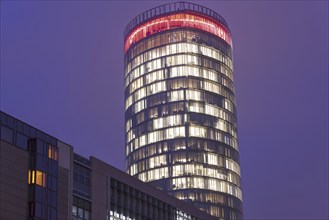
<point>174,21</point>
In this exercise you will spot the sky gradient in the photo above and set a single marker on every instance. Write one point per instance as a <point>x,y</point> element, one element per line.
<point>62,72</point>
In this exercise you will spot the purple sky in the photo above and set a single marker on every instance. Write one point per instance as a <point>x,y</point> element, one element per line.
<point>62,72</point>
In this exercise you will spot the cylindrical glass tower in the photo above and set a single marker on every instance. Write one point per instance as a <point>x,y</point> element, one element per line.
<point>181,129</point>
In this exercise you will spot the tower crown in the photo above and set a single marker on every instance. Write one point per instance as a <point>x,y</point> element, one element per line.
<point>176,15</point>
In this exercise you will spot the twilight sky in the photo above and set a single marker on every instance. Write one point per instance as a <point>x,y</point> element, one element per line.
<point>62,72</point>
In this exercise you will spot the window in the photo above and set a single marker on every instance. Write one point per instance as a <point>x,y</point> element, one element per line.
<point>81,209</point>
<point>37,177</point>
<point>7,134</point>
<point>81,180</point>
<point>52,152</point>
<point>21,141</point>
<point>74,211</point>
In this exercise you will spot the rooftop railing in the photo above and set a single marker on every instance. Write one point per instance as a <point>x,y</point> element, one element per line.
<point>169,8</point>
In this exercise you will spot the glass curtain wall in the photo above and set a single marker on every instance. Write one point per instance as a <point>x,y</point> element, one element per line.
<point>181,126</point>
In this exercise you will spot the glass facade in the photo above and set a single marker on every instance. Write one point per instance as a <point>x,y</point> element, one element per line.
<point>81,209</point>
<point>42,179</point>
<point>181,127</point>
<point>128,203</point>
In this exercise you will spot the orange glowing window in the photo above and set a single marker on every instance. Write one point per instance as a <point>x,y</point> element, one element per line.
<point>52,153</point>
<point>174,21</point>
<point>37,177</point>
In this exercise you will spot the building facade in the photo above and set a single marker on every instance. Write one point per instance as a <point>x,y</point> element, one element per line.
<point>180,111</point>
<point>28,172</point>
<point>42,178</point>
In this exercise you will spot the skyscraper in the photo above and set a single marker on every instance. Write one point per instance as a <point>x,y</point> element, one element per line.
<point>181,128</point>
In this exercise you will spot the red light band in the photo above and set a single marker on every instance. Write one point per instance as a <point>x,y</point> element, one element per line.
<point>175,21</point>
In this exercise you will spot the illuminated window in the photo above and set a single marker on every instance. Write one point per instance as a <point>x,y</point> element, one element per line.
<point>133,67</point>
<point>52,152</point>
<point>37,177</point>
<point>176,95</point>
<point>81,209</point>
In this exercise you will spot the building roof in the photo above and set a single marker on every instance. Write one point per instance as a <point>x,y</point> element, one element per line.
<point>108,170</point>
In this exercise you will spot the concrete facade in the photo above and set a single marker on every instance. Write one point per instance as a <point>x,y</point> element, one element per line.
<point>13,179</point>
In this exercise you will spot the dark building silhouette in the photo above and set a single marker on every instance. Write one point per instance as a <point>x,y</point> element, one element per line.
<point>42,178</point>
<point>181,127</point>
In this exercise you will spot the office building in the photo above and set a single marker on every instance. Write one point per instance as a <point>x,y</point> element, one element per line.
<point>41,177</point>
<point>180,109</point>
